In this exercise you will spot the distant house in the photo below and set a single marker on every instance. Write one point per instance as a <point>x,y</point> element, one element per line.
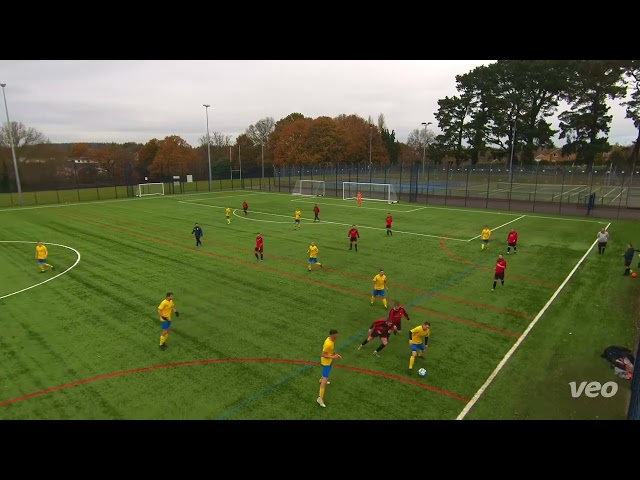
<point>554,155</point>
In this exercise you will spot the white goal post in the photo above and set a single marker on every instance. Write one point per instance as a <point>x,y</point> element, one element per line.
<point>145,189</point>
<point>383,192</point>
<point>309,188</point>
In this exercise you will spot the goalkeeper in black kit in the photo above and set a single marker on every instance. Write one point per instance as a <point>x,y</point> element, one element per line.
<point>198,233</point>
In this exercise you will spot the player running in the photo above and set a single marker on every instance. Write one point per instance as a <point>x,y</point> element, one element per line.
<point>380,328</point>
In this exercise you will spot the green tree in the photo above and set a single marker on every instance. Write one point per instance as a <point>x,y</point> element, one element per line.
<point>590,85</point>
<point>632,74</point>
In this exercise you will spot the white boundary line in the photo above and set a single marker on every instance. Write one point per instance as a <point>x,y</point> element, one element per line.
<point>504,224</point>
<point>507,356</point>
<point>336,223</point>
<point>48,279</point>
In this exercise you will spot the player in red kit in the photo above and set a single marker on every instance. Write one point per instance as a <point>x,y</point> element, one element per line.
<point>353,237</point>
<point>259,246</point>
<point>245,207</point>
<point>512,239</point>
<point>395,315</point>
<point>380,328</point>
<point>316,212</point>
<point>389,222</point>
<point>501,266</point>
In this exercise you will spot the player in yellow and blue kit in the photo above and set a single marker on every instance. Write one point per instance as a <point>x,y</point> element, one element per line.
<point>486,233</point>
<point>296,222</point>
<point>380,288</point>
<point>165,309</point>
<point>418,340</point>
<point>326,359</point>
<point>313,256</point>
<point>41,257</point>
<point>227,212</point>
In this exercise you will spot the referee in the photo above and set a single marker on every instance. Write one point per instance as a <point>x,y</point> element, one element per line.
<point>603,238</point>
<point>198,233</point>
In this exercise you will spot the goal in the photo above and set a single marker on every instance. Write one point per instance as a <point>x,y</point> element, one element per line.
<point>383,192</point>
<point>145,189</point>
<point>309,188</point>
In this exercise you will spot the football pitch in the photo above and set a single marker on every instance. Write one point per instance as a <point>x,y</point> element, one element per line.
<point>82,341</point>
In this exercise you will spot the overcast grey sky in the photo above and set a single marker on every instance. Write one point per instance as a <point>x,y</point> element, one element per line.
<point>135,100</point>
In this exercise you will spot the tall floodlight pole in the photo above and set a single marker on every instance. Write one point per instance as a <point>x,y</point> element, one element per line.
<point>262,147</point>
<point>513,143</point>
<point>424,147</point>
<point>370,138</point>
<point>206,109</point>
<point>13,151</point>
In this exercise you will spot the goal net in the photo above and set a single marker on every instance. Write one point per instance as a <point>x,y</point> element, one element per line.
<point>145,189</point>
<point>309,188</point>
<point>383,192</point>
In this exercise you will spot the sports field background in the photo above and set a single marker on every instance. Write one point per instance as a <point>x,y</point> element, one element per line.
<point>248,339</point>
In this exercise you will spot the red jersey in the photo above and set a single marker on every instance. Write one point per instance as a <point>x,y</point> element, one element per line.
<point>381,326</point>
<point>316,210</point>
<point>353,233</point>
<point>396,315</point>
<point>389,220</point>
<point>501,265</point>
<point>513,237</point>
<point>259,242</point>
<point>244,205</point>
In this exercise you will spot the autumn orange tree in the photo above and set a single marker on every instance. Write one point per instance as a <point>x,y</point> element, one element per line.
<point>288,142</point>
<point>172,158</point>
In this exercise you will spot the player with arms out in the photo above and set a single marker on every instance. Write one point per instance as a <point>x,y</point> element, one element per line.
<point>245,207</point>
<point>359,198</point>
<point>227,213</point>
<point>41,256</point>
<point>316,212</point>
<point>395,315</point>
<point>327,357</point>
<point>418,341</point>
<point>380,328</point>
<point>389,222</point>
<point>380,288</point>
<point>485,234</point>
<point>165,310</point>
<point>296,222</point>
<point>313,256</point>
<point>512,240</point>
<point>259,246</point>
<point>353,235</point>
<point>501,266</point>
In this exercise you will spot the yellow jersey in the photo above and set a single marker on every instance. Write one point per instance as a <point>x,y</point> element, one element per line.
<point>486,233</point>
<point>417,334</point>
<point>313,251</point>
<point>298,214</point>
<point>380,281</point>
<point>41,252</point>
<point>228,212</point>
<point>329,348</point>
<point>166,308</point>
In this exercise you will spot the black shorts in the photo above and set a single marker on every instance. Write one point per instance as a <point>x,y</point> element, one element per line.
<point>354,239</point>
<point>258,249</point>
<point>627,263</point>
<point>512,244</point>
<point>602,244</point>
<point>499,276</point>
<point>375,334</point>
<point>389,226</point>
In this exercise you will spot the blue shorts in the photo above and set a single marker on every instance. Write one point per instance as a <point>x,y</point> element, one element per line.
<point>377,293</point>
<point>415,348</point>
<point>313,260</point>
<point>485,241</point>
<point>166,324</point>
<point>42,260</point>
<point>297,220</point>
<point>326,370</point>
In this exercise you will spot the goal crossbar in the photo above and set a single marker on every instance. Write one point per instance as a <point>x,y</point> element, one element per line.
<point>382,192</point>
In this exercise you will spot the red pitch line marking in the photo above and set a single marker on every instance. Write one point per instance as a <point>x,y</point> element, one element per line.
<point>346,274</point>
<point>226,360</point>
<point>286,274</point>
<point>520,277</point>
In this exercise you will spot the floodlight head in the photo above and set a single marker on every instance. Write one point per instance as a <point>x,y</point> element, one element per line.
<point>3,85</point>
<point>204,105</point>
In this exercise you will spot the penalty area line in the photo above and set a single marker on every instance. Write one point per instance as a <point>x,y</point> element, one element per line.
<point>515,346</point>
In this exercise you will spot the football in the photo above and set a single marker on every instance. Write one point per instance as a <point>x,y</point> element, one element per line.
<point>422,372</point>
